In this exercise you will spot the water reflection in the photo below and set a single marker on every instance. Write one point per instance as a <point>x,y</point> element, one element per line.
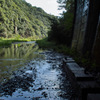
<point>41,79</point>
<point>16,56</point>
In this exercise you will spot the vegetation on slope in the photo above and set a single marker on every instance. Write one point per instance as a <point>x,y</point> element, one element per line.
<point>17,17</point>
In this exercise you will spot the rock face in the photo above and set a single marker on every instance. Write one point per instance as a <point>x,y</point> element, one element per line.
<point>87,28</point>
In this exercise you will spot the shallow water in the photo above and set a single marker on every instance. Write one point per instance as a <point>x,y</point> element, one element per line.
<point>28,74</point>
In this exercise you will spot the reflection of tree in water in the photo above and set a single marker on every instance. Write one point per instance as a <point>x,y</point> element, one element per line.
<point>14,57</point>
<point>18,51</point>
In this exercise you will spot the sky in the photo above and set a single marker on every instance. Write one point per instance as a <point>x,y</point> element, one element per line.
<point>49,6</point>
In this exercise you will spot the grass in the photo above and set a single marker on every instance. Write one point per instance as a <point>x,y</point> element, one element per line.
<point>45,44</point>
<point>9,41</point>
<point>16,38</point>
<point>81,60</point>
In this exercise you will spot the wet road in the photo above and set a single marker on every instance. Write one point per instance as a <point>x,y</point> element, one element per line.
<point>39,78</point>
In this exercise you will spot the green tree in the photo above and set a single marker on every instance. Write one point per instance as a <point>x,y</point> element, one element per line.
<point>62,32</point>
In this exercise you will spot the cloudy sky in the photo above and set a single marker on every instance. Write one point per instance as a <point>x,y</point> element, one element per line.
<point>49,6</point>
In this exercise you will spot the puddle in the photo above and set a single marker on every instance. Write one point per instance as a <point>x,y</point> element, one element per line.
<point>27,74</point>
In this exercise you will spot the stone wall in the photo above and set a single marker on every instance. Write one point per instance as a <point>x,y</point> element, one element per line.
<point>86,36</point>
<point>80,24</point>
<point>96,48</point>
<point>91,28</point>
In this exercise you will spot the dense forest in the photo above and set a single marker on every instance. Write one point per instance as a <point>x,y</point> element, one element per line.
<point>62,30</point>
<point>19,18</point>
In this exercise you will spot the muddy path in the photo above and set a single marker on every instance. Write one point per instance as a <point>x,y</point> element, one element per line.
<point>33,75</point>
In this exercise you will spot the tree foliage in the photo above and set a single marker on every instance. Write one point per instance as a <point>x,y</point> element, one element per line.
<point>62,31</point>
<point>19,17</point>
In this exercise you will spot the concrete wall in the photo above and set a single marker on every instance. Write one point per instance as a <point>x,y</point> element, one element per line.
<point>96,48</point>
<point>91,28</point>
<point>80,24</point>
<point>86,36</point>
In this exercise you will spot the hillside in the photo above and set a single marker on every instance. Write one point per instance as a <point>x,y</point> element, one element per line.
<point>19,18</point>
